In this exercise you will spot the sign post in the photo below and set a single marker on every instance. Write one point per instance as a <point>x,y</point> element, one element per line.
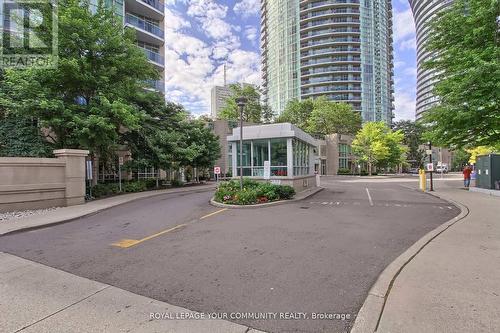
<point>217,173</point>
<point>89,175</point>
<point>431,169</point>
<point>120,163</point>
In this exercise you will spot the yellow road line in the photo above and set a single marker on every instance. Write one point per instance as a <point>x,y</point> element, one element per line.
<point>212,214</point>
<point>126,243</point>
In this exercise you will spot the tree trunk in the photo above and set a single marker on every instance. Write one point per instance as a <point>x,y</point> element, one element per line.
<point>369,168</point>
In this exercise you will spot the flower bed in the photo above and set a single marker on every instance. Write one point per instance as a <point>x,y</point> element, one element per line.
<point>253,192</point>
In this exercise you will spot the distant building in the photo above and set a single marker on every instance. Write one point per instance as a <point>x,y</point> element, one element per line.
<point>338,49</point>
<point>424,13</point>
<point>222,128</point>
<point>289,152</point>
<point>219,95</point>
<point>334,153</point>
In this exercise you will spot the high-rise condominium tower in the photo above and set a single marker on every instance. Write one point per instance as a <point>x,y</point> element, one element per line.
<point>146,17</point>
<point>423,13</point>
<point>341,49</point>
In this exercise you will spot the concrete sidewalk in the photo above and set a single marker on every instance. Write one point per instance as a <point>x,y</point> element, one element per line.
<point>74,212</point>
<point>452,284</point>
<point>37,298</point>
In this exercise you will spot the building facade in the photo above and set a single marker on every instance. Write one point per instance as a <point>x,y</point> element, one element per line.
<point>340,49</point>
<point>218,97</point>
<point>146,17</point>
<point>288,152</point>
<point>423,13</point>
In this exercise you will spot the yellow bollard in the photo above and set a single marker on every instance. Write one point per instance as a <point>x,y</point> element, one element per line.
<point>423,179</point>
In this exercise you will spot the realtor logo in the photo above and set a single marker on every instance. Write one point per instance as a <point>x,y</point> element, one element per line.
<point>28,33</point>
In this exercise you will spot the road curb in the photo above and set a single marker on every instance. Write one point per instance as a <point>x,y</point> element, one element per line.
<point>267,204</point>
<point>200,188</point>
<point>368,317</point>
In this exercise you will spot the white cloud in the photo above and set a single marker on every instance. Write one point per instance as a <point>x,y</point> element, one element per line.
<point>247,8</point>
<point>410,71</point>
<point>399,64</point>
<point>211,16</point>
<point>193,65</point>
<point>404,25</point>
<point>404,105</point>
<point>408,44</point>
<point>252,34</point>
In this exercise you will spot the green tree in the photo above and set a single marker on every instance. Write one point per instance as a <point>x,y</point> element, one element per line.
<point>253,109</point>
<point>467,39</point>
<point>377,144</point>
<point>201,144</point>
<point>413,138</point>
<point>460,159</point>
<point>20,136</point>
<point>267,114</point>
<point>330,117</point>
<point>156,142</point>
<point>297,112</point>
<point>85,100</point>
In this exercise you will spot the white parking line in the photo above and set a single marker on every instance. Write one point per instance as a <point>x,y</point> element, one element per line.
<point>369,196</point>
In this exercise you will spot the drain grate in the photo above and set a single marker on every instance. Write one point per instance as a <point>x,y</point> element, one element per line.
<point>304,207</point>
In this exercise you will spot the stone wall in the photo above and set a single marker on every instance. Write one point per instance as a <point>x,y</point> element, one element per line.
<point>33,183</point>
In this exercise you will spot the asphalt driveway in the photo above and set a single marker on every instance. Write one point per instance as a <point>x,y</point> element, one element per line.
<point>317,256</point>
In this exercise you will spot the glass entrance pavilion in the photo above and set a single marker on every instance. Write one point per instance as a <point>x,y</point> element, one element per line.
<point>290,151</point>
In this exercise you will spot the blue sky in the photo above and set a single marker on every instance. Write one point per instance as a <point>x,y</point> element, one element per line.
<point>202,35</point>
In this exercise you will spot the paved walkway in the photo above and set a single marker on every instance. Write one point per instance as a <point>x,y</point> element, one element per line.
<point>452,285</point>
<point>38,298</point>
<point>73,212</point>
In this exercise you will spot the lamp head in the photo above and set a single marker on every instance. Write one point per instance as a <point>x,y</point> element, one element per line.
<point>241,101</point>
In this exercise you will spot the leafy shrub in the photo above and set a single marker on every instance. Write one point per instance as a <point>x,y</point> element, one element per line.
<point>246,197</point>
<point>344,171</point>
<point>176,183</point>
<point>268,191</point>
<point>224,195</point>
<point>250,183</point>
<point>104,190</point>
<point>285,192</point>
<point>253,192</point>
<point>151,183</point>
<point>135,186</point>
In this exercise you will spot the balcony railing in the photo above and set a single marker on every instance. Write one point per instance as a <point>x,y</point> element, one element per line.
<point>154,57</point>
<point>156,85</point>
<point>156,4</point>
<point>144,25</point>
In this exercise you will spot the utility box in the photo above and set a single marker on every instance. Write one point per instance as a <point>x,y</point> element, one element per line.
<point>488,172</point>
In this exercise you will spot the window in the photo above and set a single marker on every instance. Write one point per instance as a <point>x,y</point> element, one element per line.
<point>247,163</point>
<point>344,153</point>
<point>279,157</point>
<point>300,158</point>
<point>260,154</point>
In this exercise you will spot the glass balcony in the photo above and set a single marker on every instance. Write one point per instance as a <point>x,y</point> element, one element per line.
<point>156,85</point>
<point>154,57</point>
<point>156,4</point>
<point>144,25</point>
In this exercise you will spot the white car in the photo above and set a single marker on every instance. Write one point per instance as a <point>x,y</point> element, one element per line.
<point>442,168</point>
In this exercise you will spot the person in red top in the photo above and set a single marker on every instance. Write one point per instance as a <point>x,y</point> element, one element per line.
<point>467,171</point>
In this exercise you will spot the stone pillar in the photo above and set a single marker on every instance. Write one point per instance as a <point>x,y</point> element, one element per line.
<point>74,160</point>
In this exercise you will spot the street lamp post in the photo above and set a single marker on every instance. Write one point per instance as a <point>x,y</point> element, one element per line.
<point>430,161</point>
<point>241,102</point>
